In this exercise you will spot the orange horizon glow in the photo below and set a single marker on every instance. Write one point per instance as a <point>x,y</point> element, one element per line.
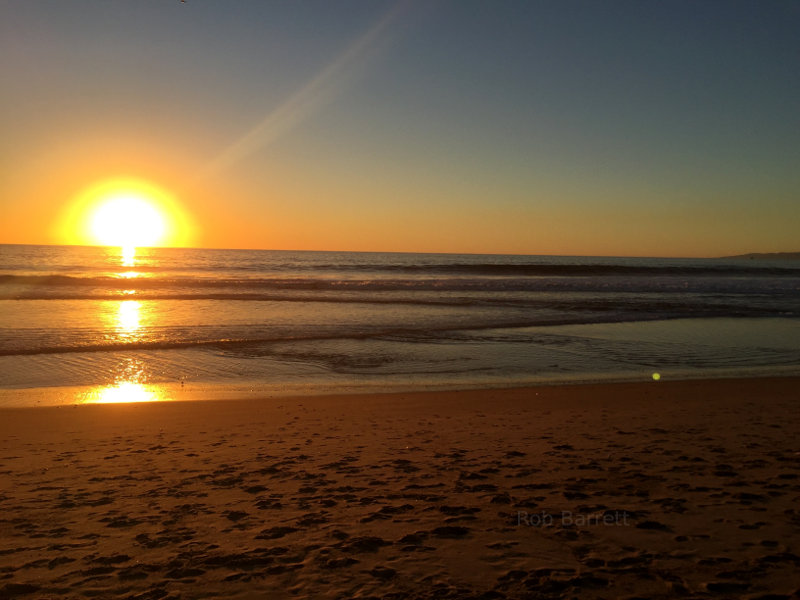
<point>291,216</point>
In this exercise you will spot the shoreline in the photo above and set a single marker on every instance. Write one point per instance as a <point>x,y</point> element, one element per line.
<point>52,396</point>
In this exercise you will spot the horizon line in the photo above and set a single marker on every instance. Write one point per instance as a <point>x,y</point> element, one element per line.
<point>744,254</point>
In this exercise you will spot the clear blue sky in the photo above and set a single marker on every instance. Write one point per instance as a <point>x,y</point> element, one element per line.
<point>630,128</point>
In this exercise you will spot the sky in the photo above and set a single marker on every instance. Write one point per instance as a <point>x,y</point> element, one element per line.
<point>562,127</point>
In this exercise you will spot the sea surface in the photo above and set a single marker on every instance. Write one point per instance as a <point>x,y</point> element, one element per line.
<point>83,324</point>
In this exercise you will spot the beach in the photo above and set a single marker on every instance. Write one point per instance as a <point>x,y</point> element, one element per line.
<point>618,490</point>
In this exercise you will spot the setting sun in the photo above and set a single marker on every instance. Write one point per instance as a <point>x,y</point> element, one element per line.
<point>128,220</point>
<point>128,213</point>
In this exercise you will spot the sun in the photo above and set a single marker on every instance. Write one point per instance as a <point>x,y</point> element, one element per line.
<point>128,220</point>
<point>127,213</point>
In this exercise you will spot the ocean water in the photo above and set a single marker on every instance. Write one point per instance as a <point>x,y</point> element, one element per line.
<point>103,324</point>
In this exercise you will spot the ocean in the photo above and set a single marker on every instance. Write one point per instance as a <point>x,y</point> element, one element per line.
<point>94,324</point>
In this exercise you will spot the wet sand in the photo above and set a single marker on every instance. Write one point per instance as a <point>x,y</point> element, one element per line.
<point>648,490</point>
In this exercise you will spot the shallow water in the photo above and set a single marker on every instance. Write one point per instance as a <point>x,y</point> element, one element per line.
<point>323,321</point>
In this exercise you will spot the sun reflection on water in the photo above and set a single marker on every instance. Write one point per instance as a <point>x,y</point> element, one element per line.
<point>124,392</point>
<point>128,318</point>
<point>128,256</point>
<point>126,321</point>
<point>130,385</point>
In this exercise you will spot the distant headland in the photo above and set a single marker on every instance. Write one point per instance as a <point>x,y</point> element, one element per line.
<point>768,256</point>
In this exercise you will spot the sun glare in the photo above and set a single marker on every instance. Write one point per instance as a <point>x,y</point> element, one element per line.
<point>123,393</point>
<point>128,316</point>
<point>129,221</point>
<point>126,213</point>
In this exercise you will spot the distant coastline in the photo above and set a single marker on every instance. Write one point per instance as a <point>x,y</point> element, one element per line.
<point>768,256</point>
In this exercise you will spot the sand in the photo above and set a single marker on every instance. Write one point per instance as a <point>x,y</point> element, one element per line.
<point>639,490</point>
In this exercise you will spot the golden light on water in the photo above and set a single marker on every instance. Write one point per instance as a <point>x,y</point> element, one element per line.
<point>125,392</point>
<point>128,316</point>
<point>128,259</point>
<point>126,320</point>
<point>132,374</point>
